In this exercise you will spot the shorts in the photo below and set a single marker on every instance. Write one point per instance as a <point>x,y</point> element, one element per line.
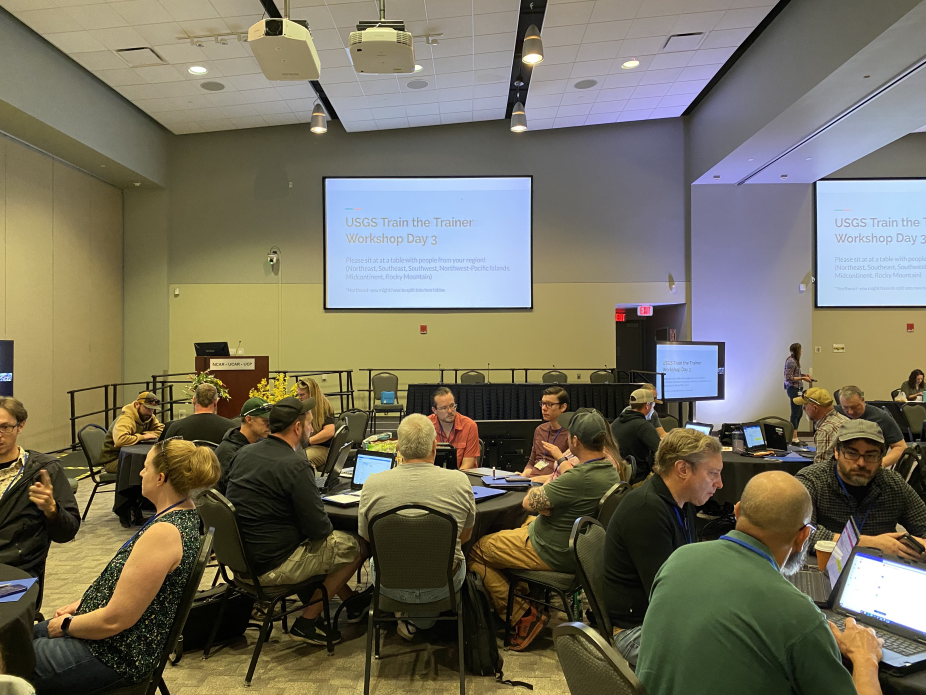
<point>314,558</point>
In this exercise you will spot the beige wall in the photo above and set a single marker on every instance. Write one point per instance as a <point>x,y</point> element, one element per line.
<point>60,285</point>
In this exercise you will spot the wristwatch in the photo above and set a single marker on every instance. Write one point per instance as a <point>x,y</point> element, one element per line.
<point>65,624</point>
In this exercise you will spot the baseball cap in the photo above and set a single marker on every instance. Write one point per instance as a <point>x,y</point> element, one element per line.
<point>149,400</point>
<point>817,396</point>
<point>587,425</point>
<point>860,429</point>
<point>286,410</point>
<point>256,407</point>
<point>642,396</point>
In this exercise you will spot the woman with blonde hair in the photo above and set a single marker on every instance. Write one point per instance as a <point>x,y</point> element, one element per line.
<point>114,634</point>
<point>322,421</point>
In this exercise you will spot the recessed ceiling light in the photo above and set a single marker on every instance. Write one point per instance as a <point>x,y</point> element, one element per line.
<point>418,68</point>
<point>197,70</point>
<point>631,64</point>
<point>585,84</point>
<point>716,177</point>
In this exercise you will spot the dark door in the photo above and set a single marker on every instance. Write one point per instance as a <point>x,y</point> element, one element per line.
<point>629,345</point>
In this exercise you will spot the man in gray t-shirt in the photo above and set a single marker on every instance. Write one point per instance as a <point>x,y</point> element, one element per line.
<point>418,481</point>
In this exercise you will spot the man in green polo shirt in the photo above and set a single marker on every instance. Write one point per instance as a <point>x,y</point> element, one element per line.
<point>723,620</point>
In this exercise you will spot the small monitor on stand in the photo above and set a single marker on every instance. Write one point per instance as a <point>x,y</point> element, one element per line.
<point>211,349</point>
<point>446,457</point>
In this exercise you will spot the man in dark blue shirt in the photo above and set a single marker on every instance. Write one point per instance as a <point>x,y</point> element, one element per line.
<point>853,406</point>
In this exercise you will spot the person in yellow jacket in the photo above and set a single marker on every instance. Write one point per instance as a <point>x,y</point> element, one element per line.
<point>138,423</point>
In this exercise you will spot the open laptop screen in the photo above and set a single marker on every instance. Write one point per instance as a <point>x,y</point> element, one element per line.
<point>369,463</point>
<point>754,436</point>
<point>886,590</point>
<point>847,540</point>
<point>702,428</point>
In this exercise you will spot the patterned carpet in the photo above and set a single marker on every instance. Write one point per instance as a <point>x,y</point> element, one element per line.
<point>287,667</point>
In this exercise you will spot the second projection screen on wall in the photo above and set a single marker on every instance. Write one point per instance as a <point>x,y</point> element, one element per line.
<point>428,243</point>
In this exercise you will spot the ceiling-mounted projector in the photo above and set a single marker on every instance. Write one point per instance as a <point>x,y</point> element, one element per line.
<point>284,50</point>
<point>382,47</point>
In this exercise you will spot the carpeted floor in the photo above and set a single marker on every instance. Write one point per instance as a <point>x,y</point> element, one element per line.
<point>287,667</point>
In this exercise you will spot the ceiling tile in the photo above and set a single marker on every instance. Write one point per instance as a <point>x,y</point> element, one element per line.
<point>590,69</point>
<point>16,6</point>
<point>563,36</point>
<point>239,110</point>
<point>544,124</point>
<point>612,107</point>
<point>178,89</point>
<point>723,39</point>
<point>556,87</point>
<point>560,54</point>
<point>160,34</point>
<point>606,31</point>
<point>350,103</point>
<point>75,42</point>
<point>390,123</point>
<point>272,107</point>
<point>99,16</point>
<point>540,112</point>
<point>243,82</point>
<point>737,4</point>
<point>456,79</point>
<point>483,6</point>
<point>454,64</point>
<point>138,12</point>
<point>100,60</point>
<point>567,14</point>
<point>461,117</point>
<point>546,72</point>
<point>142,91</point>
<point>160,73</point>
<point>636,48</point>
<point>701,21</point>
<point>600,118</point>
<point>281,119</point>
<point>489,103</point>
<point>574,110</point>
<point>388,112</point>
<point>249,122</point>
<point>670,112</point>
<point>335,75</point>
<point>377,100</point>
<point>335,58</point>
<point>542,100</point>
<point>712,56</point>
<point>256,96</point>
<point>651,90</point>
<point>170,117</point>
<point>359,126</point>
<point>496,59</point>
<point>699,72</point>
<point>569,122</point>
<point>447,8</point>
<point>451,28</point>
<point>620,94</point>
<point>491,43</point>
<point>676,100</point>
<point>455,94</point>
<point>344,89</point>
<point>231,8</point>
<point>207,114</point>
<point>226,99</point>
<point>182,10</point>
<point>155,105</point>
<point>424,96</point>
<point>484,91</point>
<point>660,76</point>
<point>453,47</point>
<point>496,22</point>
<point>631,79</point>
<point>692,87</point>
<point>295,90</point>
<point>299,105</point>
<point>488,114</point>
<point>580,96</point>
<point>651,26</point>
<point>708,5</point>
<point>456,106</point>
<point>612,10</point>
<point>181,53</point>
<point>217,124</point>
<point>746,18</point>
<point>390,86</point>
<point>422,109</point>
<point>49,21</point>
<point>598,51</point>
<point>633,115</point>
<point>237,66</point>
<point>671,60</point>
<point>423,121</point>
<point>120,37</point>
<point>348,14</point>
<point>659,8</point>
<point>357,115</point>
<point>120,78</point>
<point>242,23</point>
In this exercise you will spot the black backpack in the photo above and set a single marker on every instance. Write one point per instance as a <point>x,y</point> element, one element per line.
<point>911,468</point>
<point>480,646</point>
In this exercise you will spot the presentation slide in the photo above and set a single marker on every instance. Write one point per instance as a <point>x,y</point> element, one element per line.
<point>694,371</point>
<point>428,243</point>
<point>871,243</point>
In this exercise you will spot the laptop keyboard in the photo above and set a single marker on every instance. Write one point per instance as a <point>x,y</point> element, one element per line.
<point>896,643</point>
<point>811,583</point>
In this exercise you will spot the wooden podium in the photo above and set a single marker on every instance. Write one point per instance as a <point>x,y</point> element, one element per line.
<point>239,374</point>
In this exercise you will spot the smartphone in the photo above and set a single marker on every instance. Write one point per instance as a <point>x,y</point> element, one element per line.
<point>912,543</point>
<point>11,589</point>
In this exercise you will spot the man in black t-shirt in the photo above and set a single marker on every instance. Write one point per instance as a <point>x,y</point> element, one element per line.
<point>203,424</point>
<point>282,518</point>
<point>853,406</point>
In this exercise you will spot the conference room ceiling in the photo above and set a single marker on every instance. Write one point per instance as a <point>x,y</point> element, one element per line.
<point>467,71</point>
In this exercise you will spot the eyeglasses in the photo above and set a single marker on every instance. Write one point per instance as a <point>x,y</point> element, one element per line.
<point>447,408</point>
<point>545,404</point>
<point>852,455</point>
<point>9,429</point>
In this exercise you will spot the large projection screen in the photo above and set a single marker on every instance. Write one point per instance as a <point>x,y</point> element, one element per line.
<point>428,243</point>
<point>694,370</point>
<point>871,243</point>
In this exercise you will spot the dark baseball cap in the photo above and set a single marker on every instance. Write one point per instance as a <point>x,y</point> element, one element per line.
<point>588,425</point>
<point>286,411</point>
<point>256,407</point>
<point>149,400</point>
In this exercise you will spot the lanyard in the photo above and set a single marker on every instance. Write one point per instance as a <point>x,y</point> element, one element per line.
<point>445,439</point>
<point>18,474</point>
<point>151,521</point>
<point>683,524</point>
<point>871,506</point>
<point>753,549</point>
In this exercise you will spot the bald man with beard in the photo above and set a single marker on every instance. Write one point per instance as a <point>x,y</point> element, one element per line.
<point>722,619</point>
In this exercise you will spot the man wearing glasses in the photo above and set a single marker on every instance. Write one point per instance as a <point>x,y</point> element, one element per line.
<point>137,423</point>
<point>818,406</point>
<point>549,435</point>
<point>453,428</point>
<point>856,485</point>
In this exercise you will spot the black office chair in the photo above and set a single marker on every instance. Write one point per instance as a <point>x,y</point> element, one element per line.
<point>587,542</point>
<point>472,377</point>
<point>356,421</point>
<point>602,376</point>
<point>669,422</point>
<point>916,416</point>
<point>91,438</point>
<point>413,548</point>
<point>154,681</point>
<point>554,377</point>
<point>385,381</point>
<point>340,438</point>
<point>609,503</point>
<point>778,422</point>
<point>205,443</point>
<point>591,665</point>
<point>482,453</point>
<point>219,513</point>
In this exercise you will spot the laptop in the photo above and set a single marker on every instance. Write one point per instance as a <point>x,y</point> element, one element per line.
<point>755,438</point>
<point>885,592</point>
<point>446,456</point>
<point>486,493</point>
<point>367,464</point>
<point>775,437</point>
<point>820,586</point>
<point>702,427</point>
<point>325,483</point>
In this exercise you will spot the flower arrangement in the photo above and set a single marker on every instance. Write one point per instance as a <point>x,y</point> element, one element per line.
<point>204,378</point>
<point>273,391</point>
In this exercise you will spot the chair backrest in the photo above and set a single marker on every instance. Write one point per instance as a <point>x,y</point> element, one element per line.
<point>608,504</point>
<point>112,425</point>
<point>206,443</point>
<point>916,415</point>
<point>602,376</point>
<point>356,421</point>
<point>894,393</point>
<point>472,377</point>
<point>413,548</point>
<point>591,665</point>
<point>907,463</point>
<point>183,609</point>
<point>631,462</point>
<point>385,381</point>
<point>91,438</point>
<point>587,543</point>
<point>340,438</point>
<point>779,422</point>
<point>218,513</point>
<point>669,422</point>
<point>482,452</point>
<point>554,377</point>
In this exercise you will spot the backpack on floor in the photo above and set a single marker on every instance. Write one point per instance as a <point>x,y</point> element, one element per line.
<point>480,646</point>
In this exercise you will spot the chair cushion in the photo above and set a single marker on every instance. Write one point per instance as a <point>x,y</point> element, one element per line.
<point>567,583</point>
<point>107,478</point>
<point>393,407</point>
<point>272,592</point>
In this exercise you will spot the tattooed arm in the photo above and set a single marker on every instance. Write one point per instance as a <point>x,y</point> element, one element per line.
<point>536,501</point>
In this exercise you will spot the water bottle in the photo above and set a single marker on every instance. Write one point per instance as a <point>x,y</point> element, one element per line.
<point>738,440</point>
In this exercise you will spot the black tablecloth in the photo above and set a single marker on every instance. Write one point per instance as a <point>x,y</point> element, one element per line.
<point>16,619</point>
<point>738,470</point>
<point>519,401</point>
<point>128,481</point>
<point>495,514</point>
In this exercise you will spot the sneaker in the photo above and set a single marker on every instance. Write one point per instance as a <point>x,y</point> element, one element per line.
<point>406,630</point>
<point>357,607</point>
<point>312,631</point>
<point>527,629</point>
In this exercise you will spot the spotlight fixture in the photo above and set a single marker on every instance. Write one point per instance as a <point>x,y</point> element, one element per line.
<point>518,119</point>
<point>630,64</point>
<point>319,124</point>
<point>418,68</point>
<point>784,177</point>
<point>532,53</point>
<point>197,70</point>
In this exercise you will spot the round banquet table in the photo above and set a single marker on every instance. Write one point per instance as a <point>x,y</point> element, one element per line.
<point>739,470</point>
<point>495,514</point>
<point>128,478</point>
<point>16,620</point>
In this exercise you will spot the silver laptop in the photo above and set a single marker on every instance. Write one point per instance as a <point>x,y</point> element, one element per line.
<point>820,585</point>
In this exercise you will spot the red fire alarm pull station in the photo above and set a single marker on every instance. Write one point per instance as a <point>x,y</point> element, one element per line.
<point>424,329</point>
<point>620,316</point>
<point>909,328</point>
<point>644,310</point>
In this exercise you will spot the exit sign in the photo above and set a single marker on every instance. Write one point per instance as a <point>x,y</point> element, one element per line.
<point>644,310</point>
<point>620,316</point>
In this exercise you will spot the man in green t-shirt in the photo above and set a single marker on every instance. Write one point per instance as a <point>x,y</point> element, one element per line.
<point>542,543</point>
<point>722,620</point>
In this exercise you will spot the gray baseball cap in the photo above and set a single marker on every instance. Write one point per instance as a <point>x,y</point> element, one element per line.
<point>860,429</point>
<point>587,425</point>
<point>642,396</point>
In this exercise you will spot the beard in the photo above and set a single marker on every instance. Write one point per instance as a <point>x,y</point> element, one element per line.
<point>856,476</point>
<point>795,562</point>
